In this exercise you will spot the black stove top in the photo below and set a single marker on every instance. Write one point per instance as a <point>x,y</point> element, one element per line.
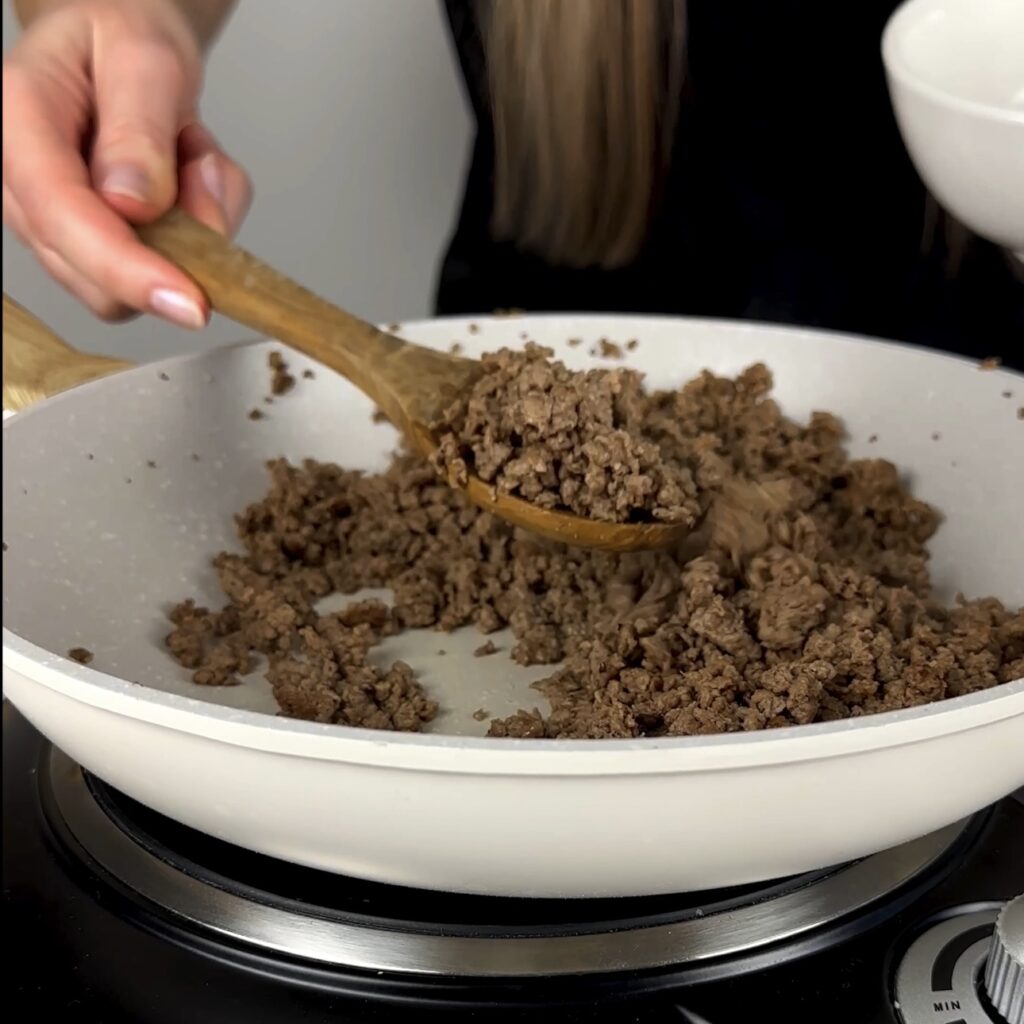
<point>117,914</point>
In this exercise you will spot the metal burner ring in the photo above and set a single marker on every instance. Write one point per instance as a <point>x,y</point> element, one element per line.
<point>700,942</point>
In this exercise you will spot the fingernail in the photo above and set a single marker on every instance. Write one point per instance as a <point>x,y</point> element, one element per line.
<point>212,174</point>
<point>177,307</point>
<point>125,180</point>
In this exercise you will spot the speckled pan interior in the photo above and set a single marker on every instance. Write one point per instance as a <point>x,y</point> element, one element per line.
<point>117,495</point>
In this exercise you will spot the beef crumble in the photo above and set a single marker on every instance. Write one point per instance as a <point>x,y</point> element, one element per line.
<point>562,440</point>
<point>281,380</point>
<point>823,612</point>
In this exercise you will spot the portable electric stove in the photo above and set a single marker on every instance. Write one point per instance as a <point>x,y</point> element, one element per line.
<point>116,914</point>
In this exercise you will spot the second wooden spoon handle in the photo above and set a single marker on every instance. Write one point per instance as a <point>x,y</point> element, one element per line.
<point>38,364</point>
<point>245,289</point>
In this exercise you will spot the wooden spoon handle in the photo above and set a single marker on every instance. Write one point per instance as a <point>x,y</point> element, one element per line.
<point>245,289</point>
<point>38,364</point>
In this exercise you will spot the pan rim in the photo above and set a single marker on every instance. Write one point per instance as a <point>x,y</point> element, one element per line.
<point>600,321</point>
<point>491,755</point>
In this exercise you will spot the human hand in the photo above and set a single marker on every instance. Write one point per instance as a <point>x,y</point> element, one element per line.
<point>100,130</point>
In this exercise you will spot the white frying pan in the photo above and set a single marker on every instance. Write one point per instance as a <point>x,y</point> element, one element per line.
<point>94,561</point>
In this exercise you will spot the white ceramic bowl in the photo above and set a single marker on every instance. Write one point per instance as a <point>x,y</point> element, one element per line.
<point>956,77</point>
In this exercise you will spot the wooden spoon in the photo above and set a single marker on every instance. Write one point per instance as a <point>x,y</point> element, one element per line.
<point>38,364</point>
<point>411,384</point>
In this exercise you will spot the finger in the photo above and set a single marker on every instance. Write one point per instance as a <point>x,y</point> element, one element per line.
<point>143,91</point>
<point>14,218</point>
<point>62,213</point>
<point>212,187</point>
<point>101,304</point>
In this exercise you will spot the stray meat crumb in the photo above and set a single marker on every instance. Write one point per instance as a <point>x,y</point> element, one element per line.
<point>826,614</point>
<point>455,348</point>
<point>163,376</point>
<point>481,715</point>
<point>474,328</point>
<point>991,363</point>
<point>80,654</point>
<point>281,381</point>
<point>1007,394</point>
<point>632,345</point>
<point>485,649</point>
<point>1020,412</point>
<point>257,414</point>
<point>151,464</point>
<point>308,374</point>
<point>379,416</point>
<point>608,349</point>
<point>394,328</point>
<point>441,651</point>
<point>873,439</point>
<point>575,342</point>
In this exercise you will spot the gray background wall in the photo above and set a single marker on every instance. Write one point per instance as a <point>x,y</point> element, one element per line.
<point>350,117</point>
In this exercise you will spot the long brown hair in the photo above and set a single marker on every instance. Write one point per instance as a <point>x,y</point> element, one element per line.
<point>585,95</point>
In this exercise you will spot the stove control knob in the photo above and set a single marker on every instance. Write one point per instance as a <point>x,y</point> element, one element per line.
<point>939,979</point>
<point>1004,973</point>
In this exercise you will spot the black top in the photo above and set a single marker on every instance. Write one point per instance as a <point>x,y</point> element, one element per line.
<point>790,198</point>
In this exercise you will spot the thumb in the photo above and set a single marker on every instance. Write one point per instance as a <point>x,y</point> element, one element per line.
<point>142,93</point>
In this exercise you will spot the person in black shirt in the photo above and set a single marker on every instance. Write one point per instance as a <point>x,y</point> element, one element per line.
<point>724,158</point>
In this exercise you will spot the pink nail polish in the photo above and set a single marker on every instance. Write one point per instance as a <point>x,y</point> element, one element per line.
<point>212,174</point>
<point>177,307</point>
<point>125,180</point>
